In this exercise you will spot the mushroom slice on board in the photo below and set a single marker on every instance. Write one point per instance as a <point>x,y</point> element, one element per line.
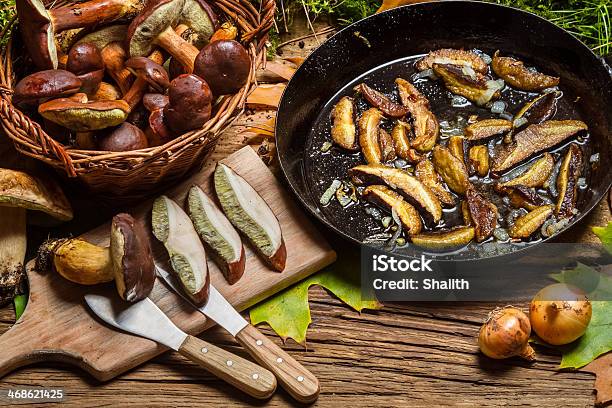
<point>218,233</point>
<point>19,192</point>
<point>472,85</point>
<point>487,128</point>
<point>52,83</point>
<point>445,240</point>
<point>38,25</point>
<point>384,197</point>
<point>382,102</point>
<point>453,171</point>
<point>154,26</point>
<point>534,139</point>
<point>251,215</point>
<point>174,229</point>
<point>343,130</point>
<point>516,74</point>
<point>407,185</point>
<point>84,116</point>
<point>482,213</point>
<point>567,182</point>
<point>426,173</point>
<point>454,57</point>
<point>368,135</point>
<point>425,124</point>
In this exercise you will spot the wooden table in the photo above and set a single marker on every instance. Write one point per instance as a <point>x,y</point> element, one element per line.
<point>404,355</point>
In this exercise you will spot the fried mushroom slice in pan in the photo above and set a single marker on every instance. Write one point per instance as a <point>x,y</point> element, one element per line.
<point>401,141</point>
<point>482,213</point>
<point>567,182</point>
<point>388,199</point>
<point>478,158</point>
<point>472,85</point>
<point>535,176</point>
<point>382,102</point>
<point>387,149</point>
<point>454,57</point>
<point>343,130</point>
<point>426,173</point>
<point>516,74</point>
<point>445,240</point>
<point>529,223</point>
<point>486,128</point>
<point>453,171</point>
<point>426,127</point>
<point>368,135</point>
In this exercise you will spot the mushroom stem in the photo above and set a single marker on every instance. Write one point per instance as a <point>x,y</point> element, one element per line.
<point>92,13</point>
<point>12,250</point>
<point>183,51</point>
<point>113,56</point>
<point>134,95</point>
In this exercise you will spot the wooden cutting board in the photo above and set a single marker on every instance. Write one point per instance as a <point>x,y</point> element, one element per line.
<point>57,326</point>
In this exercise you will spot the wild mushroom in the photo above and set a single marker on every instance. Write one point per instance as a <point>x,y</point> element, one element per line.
<point>153,73</point>
<point>84,115</point>
<point>154,101</point>
<point>136,92</point>
<point>190,103</point>
<point>38,25</point>
<point>157,132</point>
<point>85,61</point>
<point>19,192</point>
<point>52,83</point>
<point>154,26</point>
<point>125,138</point>
<point>225,65</point>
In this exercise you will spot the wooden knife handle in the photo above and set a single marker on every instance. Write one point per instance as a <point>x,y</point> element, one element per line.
<point>243,374</point>
<point>295,378</point>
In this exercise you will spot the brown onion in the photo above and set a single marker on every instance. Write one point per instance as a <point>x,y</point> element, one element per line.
<point>560,313</point>
<point>505,334</point>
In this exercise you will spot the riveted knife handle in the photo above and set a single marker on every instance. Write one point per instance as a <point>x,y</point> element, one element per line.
<point>242,374</point>
<point>294,378</point>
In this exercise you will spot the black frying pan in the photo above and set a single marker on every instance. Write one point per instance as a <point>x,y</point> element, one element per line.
<point>384,42</point>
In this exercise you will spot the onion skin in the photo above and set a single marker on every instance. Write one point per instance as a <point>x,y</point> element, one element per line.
<point>506,334</point>
<point>560,313</point>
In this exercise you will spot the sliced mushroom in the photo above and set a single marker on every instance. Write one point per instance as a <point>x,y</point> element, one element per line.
<point>189,104</point>
<point>153,73</point>
<point>84,60</point>
<point>536,175</point>
<point>154,26</point>
<point>472,85</point>
<point>343,130</point>
<point>174,229</point>
<point>453,57</point>
<point>516,74</point>
<point>225,65</point>
<point>218,233</point>
<point>387,149</point>
<point>529,223</point>
<point>478,157</point>
<point>487,128</point>
<point>523,197</point>
<point>82,115</point>
<point>445,240</point>
<point>368,135</point>
<point>53,83</point>
<point>456,145</point>
<point>390,200</point>
<point>453,171</point>
<point>537,110</point>
<point>19,192</point>
<point>39,25</point>
<point>125,138</point>
<point>251,215</point>
<point>426,127</point>
<point>382,102</point>
<point>482,213</point>
<point>425,172</point>
<point>401,141</point>
<point>567,182</point>
<point>534,139</point>
<point>409,186</point>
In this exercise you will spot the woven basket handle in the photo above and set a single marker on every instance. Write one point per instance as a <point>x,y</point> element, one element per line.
<point>267,12</point>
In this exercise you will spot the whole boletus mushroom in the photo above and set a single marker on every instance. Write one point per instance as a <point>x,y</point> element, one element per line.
<point>79,114</point>
<point>85,61</point>
<point>225,65</point>
<point>153,73</point>
<point>157,132</point>
<point>52,83</point>
<point>38,25</point>
<point>189,103</point>
<point>124,138</point>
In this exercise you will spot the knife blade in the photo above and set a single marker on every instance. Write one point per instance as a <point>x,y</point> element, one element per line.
<point>300,383</point>
<point>145,319</point>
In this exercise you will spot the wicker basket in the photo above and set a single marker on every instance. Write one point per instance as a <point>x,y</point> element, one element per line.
<point>132,175</point>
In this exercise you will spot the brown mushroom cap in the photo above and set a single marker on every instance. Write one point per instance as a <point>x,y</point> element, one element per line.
<point>157,131</point>
<point>190,103</point>
<point>52,83</point>
<point>125,138</point>
<point>225,65</point>
<point>154,101</point>
<point>84,60</point>
<point>37,33</point>
<point>155,75</point>
<point>82,116</point>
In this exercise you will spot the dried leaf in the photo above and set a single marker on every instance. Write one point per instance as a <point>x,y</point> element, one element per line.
<point>266,96</point>
<point>275,72</point>
<point>297,61</point>
<point>389,4</point>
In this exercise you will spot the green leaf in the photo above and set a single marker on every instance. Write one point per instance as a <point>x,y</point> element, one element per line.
<point>288,313</point>
<point>20,302</point>
<point>605,236</point>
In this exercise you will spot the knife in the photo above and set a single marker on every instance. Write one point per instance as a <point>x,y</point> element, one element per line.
<point>293,377</point>
<point>145,319</point>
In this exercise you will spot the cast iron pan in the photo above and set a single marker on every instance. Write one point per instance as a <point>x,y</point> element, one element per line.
<point>382,50</point>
